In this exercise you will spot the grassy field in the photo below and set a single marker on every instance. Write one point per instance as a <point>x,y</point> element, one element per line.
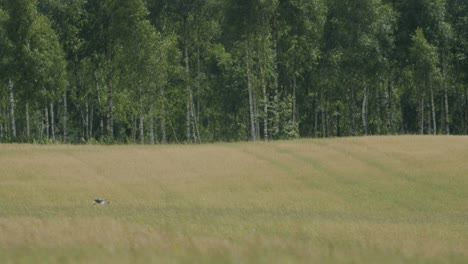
<point>353,200</point>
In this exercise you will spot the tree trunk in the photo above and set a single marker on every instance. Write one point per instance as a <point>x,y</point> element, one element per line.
<point>421,115</point>
<point>324,125</point>
<point>276,114</point>
<point>196,114</point>
<point>265,112</point>
<point>52,120</point>
<point>256,115</point>
<point>133,128</point>
<point>187,80</point>
<point>338,130</point>
<point>188,134</point>
<point>7,121</point>
<point>364,112</point>
<point>163,131</point>
<point>327,129</point>
<point>101,116</point>
<point>163,117</point>
<point>12,109</point>
<point>434,124</point>
<point>1,122</point>
<point>28,130</point>
<point>322,109</point>
<point>429,122</point>
<point>316,122</point>
<point>447,119</point>
<point>91,119</point>
<point>65,117</point>
<point>46,112</point>
<point>253,134</point>
<point>86,121</point>
<point>110,115</point>
<point>353,112</point>
<point>390,111</point>
<point>41,117</point>
<point>141,118</point>
<point>152,141</point>
<point>444,84</point>
<point>465,111</point>
<point>378,106</point>
<point>141,129</point>
<point>193,122</point>
<point>294,102</point>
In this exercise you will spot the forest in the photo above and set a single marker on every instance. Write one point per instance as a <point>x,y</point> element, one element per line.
<point>197,71</point>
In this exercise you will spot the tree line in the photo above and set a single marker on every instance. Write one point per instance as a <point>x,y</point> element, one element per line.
<point>194,71</point>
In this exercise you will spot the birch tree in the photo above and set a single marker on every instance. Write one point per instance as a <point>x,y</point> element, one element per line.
<point>425,73</point>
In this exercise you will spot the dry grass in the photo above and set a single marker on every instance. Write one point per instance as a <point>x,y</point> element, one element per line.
<point>375,199</point>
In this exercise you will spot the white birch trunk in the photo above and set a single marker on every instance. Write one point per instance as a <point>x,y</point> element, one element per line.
<point>322,108</point>
<point>52,120</point>
<point>276,121</point>
<point>353,112</point>
<point>110,115</point>
<point>196,113</point>
<point>141,118</point>
<point>390,110</point>
<point>12,108</point>
<point>446,103</point>
<point>133,128</point>
<point>163,131</point>
<point>316,122</point>
<point>4,119</point>
<point>434,124</point>
<point>101,117</point>
<point>188,134</point>
<point>379,103</point>
<point>86,121</point>
<point>189,92</point>
<point>265,113</point>
<point>256,115</point>
<point>141,128</point>
<point>152,139</point>
<point>253,134</point>
<point>447,119</point>
<point>65,117</point>
<point>46,113</point>
<point>193,124</point>
<point>28,130</point>
<point>41,124</point>
<point>421,121</point>
<point>429,122</point>
<point>7,122</point>
<point>163,117</point>
<point>91,119</point>
<point>276,76</point>
<point>1,123</point>
<point>364,112</point>
<point>294,103</point>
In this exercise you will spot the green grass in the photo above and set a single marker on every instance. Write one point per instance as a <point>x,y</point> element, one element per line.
<point>352,200</point>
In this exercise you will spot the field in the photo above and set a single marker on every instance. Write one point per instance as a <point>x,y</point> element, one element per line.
<point>352,200</point>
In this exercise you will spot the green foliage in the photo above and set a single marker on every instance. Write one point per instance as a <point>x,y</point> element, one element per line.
<point>45,58</point>
<point>119,71</point>
<point>424,60</point>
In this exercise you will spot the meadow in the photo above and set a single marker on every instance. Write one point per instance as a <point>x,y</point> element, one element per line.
<point>350,200</point>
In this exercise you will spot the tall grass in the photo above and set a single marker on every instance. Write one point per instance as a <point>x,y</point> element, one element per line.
<point>373,200</point>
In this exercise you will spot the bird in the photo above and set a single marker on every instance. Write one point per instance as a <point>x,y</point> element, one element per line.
<point>100,201</point>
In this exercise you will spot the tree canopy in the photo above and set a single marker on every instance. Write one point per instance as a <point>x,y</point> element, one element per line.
<point>159,71</point>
